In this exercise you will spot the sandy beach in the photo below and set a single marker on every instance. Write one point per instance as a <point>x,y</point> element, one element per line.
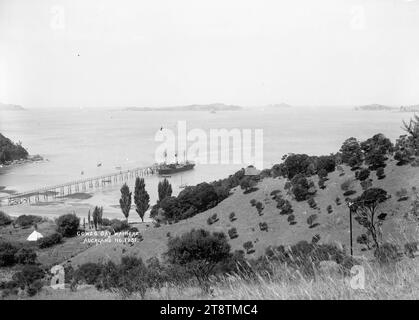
<point>79,203</point>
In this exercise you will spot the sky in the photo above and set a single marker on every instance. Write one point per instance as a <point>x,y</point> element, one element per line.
<point>102,53</point>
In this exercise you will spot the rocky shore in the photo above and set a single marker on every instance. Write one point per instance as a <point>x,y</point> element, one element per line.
<point>29,159</point>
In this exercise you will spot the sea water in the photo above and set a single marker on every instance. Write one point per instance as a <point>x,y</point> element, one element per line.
<point>74,141</point>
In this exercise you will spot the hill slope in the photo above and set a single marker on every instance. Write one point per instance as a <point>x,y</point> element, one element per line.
<point>10,151</point>
<point>332,226</point>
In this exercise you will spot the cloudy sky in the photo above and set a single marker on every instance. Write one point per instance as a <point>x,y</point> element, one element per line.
<point>102,53</point>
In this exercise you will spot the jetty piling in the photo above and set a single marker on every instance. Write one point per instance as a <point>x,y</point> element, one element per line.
<point>74,186</point>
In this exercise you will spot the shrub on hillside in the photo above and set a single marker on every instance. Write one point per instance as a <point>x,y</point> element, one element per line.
<point>5,219</point>
<point>351,152</point>
<point>411,248</point>
<point>212,219</point>
<point>286,208</point>
<point>302,188</point>
<point>349,193</point>
<point>387,253</point>
<point>346,185</point>
<point>195,199</point>
<point>304,257</point>
<point>25,256</point>
<point>380,173</point>
<point>312,203</point>
<point>275,193</point>
<point>322,183</point>
<point>325,164</point>
<point>248,183</point>
<point>68,224</point>
<point>291,219</point>
<point>338,201</point>
<point>126,278</point>
<point>198,251</point>
<point>248,246</point>
<point>362,174</point>
<point>26,221</point>
<point>329,209</point>
<point>402,194</point>
<point>406,147</point>
<point>315,239</point>
<point>375,150</point>
<point>322,174</point>
<point>50,240</point>
<point>259,207</point>
<point>106,222</point>
<point>263,226</point>
<point>364,240</point>
<point>253,202</point>
<point>7,254</point>
<point>88,273</point>
<point>297,164</point>
<point>311,221</point>
<point>232,233</point>
<point>232,217</point>
<point>366,184</point>
<point>119,225</point>
<point>29,279</point>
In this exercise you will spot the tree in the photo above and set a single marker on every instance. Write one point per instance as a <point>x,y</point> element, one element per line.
<point>125,201</point>
<point>412,128</point>
<point>380,173</point>
<point>351,152</point>
<point>248,246</point>
<point>141,197</point>
<point>89,219</point>
<point>68,224</point>
<point>362,174</point>
<point>5,219</point>
<point>164,189</point>
<point>101,216</point>
<point>311,219</point>
<point>298,164</point>
<point>407,146</point>
<point>247,183</point>
<point>366,210</point>
<point>327,163</point>
<point>376,149</point>
<point>199,252</point>
<point>301,187</point>
<point>97,217</point>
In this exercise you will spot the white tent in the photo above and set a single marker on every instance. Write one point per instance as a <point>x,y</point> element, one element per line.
<point>34,236</point>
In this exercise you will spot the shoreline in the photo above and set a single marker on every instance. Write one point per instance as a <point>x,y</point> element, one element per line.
<point>19,162</point>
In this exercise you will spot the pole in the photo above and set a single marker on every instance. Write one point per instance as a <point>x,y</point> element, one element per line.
<point>350,227</point>
<point>350,205</point>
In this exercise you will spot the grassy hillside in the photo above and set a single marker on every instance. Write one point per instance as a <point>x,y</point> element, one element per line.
<point>382,283</point>
<point>333,227</point>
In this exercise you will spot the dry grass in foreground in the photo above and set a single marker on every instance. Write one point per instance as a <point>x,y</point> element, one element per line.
<point>398,281</point>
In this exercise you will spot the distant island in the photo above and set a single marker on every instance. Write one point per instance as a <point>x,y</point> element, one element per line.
<point>375,107</point>
<point>10,107</point>
<point>414,108</point>
<point>192,107</point>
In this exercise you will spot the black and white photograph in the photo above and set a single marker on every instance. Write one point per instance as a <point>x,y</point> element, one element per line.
<point>230,151</point>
